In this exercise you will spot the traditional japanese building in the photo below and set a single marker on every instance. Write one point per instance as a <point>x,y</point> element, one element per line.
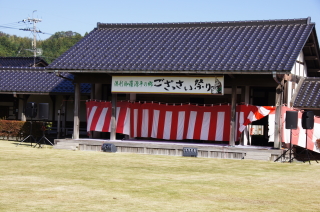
<point>209,63</point>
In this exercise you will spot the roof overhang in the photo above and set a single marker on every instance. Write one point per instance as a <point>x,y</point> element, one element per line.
<point>37,93</point>
<point>169,72</point>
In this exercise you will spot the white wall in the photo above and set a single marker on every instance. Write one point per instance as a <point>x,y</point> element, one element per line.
<point>299,69</point>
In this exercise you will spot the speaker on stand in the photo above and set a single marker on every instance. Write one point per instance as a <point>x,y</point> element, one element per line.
<point>31,112</point>
<point>307,122</point>
<point>43,115</point>
<point>291,123</point>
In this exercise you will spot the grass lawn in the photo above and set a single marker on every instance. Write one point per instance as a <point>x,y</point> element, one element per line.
<point>46,179</point>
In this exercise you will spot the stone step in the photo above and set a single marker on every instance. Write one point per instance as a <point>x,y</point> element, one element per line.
<point>257,156</point>
<point>66,145</point>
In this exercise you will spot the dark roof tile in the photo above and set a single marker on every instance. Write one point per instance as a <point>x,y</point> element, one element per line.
<point>22,62</point>
<point>37,81</point>
<point>224,46</point>
<point>308,94</point>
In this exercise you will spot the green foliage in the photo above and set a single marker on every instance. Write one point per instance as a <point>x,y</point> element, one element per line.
<point>53,47</point>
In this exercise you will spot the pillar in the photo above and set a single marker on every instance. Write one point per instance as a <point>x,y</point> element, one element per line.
<point>233,116</point>
<point>76,120</point>
<point>245,134</point>
<point>277,125</point>
<point>113,117</point>
<point>96,93</point>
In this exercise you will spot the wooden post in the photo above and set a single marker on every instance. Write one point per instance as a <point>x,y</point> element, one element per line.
<point>64,114</point>
<point>97,94</point>
<point>59,124</point>
<point>93,91</point>
<point>233,116</point>
<point>131,97</point>
<point>277,125</point>
<point>25,101</point>
<point>92,96</point>
<point>22,108</point>
<point>76,121</point>
<point>245,133</point>
<point>113,117</point>
<point>53,99</point>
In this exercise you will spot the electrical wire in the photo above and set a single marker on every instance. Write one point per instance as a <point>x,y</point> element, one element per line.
<point>19,25</point>
<point>8,27</point>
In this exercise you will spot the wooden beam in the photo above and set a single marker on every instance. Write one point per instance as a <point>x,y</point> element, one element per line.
<point>310,57</point>
<point>231,76</point>
<point>93,78</point>
<point>313,70</point>
<point>260,80</point>
<point>309,45</point>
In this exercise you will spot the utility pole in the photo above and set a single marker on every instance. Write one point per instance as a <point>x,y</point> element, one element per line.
<point>34,31</point>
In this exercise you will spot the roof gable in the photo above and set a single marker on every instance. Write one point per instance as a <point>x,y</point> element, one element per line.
<point>219,47</point>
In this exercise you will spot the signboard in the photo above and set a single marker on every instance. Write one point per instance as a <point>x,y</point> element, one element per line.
<point>168,84</point>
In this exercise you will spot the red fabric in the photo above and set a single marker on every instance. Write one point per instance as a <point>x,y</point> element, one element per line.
<point>299,135</point>
<point>142,120</point>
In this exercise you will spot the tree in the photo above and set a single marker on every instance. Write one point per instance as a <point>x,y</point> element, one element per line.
<point>53,47</point>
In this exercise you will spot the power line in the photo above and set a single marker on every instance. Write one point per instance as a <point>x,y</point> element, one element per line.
<point>8,27</point>
<point>24,23</point>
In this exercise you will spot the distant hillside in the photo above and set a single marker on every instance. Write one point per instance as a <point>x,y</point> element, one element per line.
<point>53,47</point>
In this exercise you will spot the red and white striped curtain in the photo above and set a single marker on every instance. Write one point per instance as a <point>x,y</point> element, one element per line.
<point>172,122</point>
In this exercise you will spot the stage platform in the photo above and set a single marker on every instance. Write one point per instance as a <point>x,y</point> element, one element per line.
<point>173,148</point>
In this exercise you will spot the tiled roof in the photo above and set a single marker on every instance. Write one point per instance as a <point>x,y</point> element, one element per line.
<point>22,61</point>
<point>243,46</point>
<point>35,81</point>
<point>308,94</point>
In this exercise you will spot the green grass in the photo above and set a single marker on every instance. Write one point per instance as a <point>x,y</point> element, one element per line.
<point>45,179</point>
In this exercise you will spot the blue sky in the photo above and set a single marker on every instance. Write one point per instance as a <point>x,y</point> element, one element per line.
<point>82,15</point>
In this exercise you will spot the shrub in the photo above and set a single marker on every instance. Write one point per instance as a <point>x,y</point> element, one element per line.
<point>19,129</point>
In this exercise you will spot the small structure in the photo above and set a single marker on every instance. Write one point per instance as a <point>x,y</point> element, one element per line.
<point>22,83</point>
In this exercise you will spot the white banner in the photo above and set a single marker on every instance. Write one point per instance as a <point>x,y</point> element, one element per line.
<point>168,84</point>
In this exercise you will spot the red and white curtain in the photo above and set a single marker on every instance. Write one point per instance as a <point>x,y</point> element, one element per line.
<point>172,122</point>
<point>299,136</point>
